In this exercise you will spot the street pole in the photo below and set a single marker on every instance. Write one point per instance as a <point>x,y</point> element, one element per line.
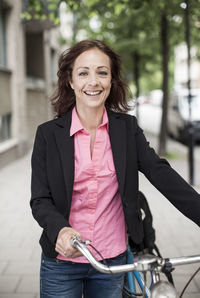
<point>190,135</point>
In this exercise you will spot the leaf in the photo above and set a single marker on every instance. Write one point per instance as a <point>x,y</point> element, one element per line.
<point>43,17</point>
<point>25,15</point>
<point>38,7</point>
<point>52,16</point>
<point>90,3</point>
<point>56,21</point>
<point>52,6</point>
<point>119,8</point>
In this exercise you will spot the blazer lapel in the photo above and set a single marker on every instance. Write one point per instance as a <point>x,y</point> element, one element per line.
<point>65,145</point>
<point>117,132</point>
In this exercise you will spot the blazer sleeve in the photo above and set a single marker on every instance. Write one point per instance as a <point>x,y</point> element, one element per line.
<point>159,172</point>
<point>42,204</point>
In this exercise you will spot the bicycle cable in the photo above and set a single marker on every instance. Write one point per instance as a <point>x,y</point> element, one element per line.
<point>123,289</point>
<point>187,284</point>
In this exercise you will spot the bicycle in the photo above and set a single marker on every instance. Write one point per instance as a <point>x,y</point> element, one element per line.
<point>140,265</point>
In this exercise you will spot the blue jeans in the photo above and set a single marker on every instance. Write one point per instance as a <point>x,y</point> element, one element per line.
<point>63,279</point>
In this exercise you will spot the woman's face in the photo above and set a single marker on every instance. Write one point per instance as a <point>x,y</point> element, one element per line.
<point>91,79</point>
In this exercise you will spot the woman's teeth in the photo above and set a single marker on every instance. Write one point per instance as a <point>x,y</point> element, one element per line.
<point>92,92</point>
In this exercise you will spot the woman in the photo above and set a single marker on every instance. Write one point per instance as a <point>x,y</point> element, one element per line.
<point>85,167</point>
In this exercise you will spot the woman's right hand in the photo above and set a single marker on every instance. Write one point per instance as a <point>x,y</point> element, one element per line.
<point>63,243</point>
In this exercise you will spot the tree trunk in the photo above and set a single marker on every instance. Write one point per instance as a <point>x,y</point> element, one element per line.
<point>136,74</point>
<point>165,70</point>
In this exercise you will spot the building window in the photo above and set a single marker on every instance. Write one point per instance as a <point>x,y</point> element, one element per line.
<point>34,55</point>
<point>5,127</point>
<point>3,58</point>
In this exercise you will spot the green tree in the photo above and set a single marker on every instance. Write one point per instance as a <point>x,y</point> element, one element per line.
<point>143,32</point>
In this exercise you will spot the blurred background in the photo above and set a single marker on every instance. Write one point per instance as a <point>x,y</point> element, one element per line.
<point>159,43</point>
<point>157,40</point>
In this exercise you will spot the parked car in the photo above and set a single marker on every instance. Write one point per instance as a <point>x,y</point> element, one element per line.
<point>156,97</point>
<point>179,117</point>
<point>143,99</point>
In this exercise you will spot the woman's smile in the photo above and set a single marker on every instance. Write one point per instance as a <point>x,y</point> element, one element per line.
<point>93,93</point>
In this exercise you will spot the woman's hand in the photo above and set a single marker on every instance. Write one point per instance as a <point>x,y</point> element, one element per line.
<point>63,243</point>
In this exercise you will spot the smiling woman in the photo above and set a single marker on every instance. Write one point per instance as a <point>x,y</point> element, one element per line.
<point>85,166</point>
<point>89,87</point>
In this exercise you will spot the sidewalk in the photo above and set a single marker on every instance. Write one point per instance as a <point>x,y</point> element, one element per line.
<point>19,233</point>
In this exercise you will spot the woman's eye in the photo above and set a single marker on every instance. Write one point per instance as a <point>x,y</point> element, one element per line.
<point>103,73</point>
<point>82,73</point>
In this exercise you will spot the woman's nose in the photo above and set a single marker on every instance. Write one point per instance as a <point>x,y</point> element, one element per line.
<point>93,80</point>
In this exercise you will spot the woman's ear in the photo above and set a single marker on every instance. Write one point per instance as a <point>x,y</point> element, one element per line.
<point>71,84</point>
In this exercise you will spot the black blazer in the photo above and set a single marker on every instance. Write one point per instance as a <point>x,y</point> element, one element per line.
<point>53,175</point>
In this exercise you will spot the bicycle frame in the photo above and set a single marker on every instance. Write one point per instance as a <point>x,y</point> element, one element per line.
<point>131,276</point>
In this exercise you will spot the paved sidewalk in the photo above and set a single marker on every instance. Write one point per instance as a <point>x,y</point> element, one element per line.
<point>19,233</point>
<point>19,248</point>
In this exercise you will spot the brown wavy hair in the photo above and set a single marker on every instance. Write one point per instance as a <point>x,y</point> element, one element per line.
<point>64,97</point>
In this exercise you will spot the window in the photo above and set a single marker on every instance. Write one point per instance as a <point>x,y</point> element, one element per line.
<point>3,58</point>
<point>34,55</point>
<point>5,127</point>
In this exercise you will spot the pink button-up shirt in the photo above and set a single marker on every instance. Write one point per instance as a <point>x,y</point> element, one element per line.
<point>96,209</point>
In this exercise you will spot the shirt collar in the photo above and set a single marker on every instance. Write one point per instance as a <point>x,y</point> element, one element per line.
<point>76,124</point>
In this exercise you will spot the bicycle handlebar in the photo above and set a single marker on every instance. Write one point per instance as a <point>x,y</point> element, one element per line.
<point>184,260</point>
<point>145,262</point>
<point>140,264</point>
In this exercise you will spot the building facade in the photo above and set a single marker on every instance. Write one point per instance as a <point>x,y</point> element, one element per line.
<point>28,64</point>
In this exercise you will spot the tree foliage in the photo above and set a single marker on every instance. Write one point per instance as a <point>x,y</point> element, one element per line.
<point>143,32</point>
<point>128,26</point>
